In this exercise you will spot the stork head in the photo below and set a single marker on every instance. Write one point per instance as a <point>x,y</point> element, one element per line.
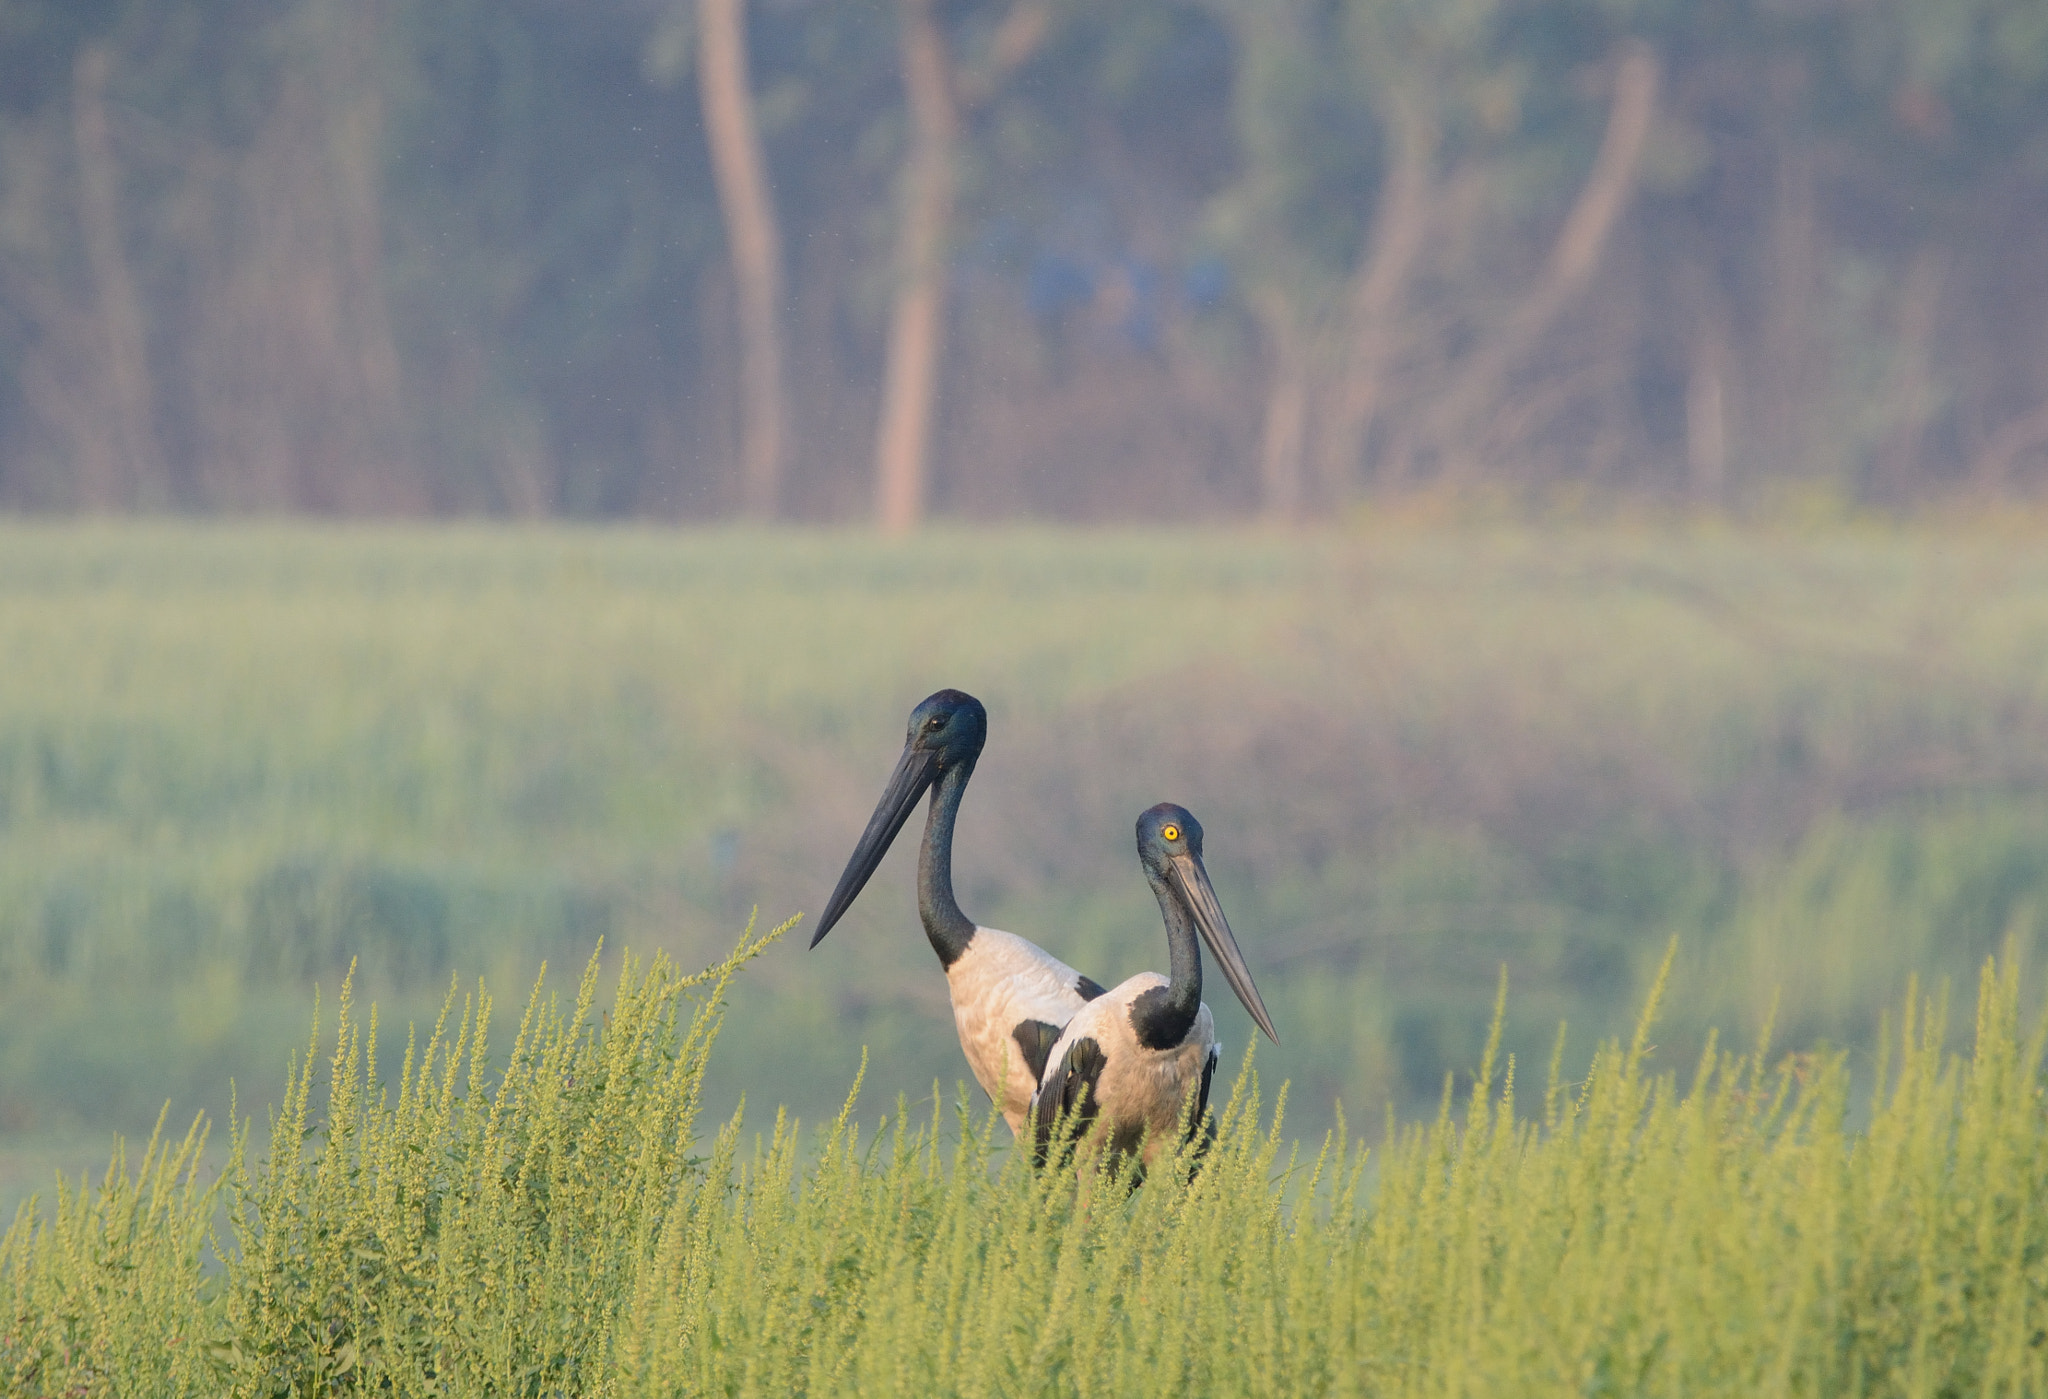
<point>950,727</point>
<point>1170,845</point>
<point>1166,832</point>
<point>946,733</point>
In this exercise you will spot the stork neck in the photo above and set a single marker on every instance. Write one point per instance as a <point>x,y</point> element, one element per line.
<point>949,929</point>
<point>1163,1016</point>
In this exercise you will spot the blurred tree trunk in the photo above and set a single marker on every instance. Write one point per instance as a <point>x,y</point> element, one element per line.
<point>1706,411</point>
<point>1400,227</point>
<point>1283,435</point>
<point>917,327</point>
<point>354,95</point>
<point>126,468</point>
<point>1463,415</point>
<point>1913,394</point>
<point>298,400</point>
<point>1790,362</point>
<point>754,243</point>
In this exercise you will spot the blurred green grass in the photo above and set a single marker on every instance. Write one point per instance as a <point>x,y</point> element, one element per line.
<point>235,758</point>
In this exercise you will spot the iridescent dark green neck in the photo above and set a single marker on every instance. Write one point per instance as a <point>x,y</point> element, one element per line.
<point>1164,1015</point>
<point>949,929</point>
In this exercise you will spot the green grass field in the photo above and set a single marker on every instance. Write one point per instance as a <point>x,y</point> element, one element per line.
<point>236,760</point>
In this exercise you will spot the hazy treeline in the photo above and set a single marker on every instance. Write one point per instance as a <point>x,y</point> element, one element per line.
<point>999,257</point>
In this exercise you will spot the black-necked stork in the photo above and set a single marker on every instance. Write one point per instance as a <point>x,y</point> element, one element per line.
<point>1130,1058</point>
<point>1011,998</point>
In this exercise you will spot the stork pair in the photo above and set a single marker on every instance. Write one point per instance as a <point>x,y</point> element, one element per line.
<point>1047,1043</point>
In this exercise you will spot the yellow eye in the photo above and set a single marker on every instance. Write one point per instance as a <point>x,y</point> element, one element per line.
<point>1171,832</point>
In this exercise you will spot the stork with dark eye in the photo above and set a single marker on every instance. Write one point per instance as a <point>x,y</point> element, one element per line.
<point>1129,1062</point>
<point>1011,998</point>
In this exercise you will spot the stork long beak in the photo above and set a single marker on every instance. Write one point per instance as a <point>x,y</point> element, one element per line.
<point>915,772</point>
<point>1192,881</point>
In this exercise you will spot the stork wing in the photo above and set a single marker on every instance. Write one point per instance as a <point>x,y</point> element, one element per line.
<point>1036,1040</point>
<point>1204,1121</point>
<point>1065,1101</point>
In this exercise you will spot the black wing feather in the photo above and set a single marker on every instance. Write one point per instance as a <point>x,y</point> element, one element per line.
<point>1067,1091</point>
<point>1201,1120</point>
<point>1035,1039</point>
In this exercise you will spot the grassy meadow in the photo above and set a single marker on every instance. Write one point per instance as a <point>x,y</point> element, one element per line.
<point>234,760</point>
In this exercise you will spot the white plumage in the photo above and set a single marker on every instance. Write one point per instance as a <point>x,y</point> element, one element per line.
<point>1000,982</point>
<point>1139,1091</point>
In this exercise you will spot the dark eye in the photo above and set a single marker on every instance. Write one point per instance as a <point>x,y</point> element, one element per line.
<point>937,721</point>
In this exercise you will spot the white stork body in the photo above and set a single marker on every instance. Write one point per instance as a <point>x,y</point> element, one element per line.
<point>1010,998</point>
<point>1135,1059</point>
<point>1139,1091</point>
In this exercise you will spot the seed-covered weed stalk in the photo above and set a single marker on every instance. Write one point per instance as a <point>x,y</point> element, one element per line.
<point>106,1291</point>
<point>473,1235</point>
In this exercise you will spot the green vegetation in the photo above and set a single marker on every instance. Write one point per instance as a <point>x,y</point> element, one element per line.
<point>552,1228</point>
<point>232,761</point>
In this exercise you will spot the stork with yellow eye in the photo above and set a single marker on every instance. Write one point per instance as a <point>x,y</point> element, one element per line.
<point>1130,1060</point>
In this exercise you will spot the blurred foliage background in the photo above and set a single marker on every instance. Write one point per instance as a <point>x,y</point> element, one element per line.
<point>998,258</point>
